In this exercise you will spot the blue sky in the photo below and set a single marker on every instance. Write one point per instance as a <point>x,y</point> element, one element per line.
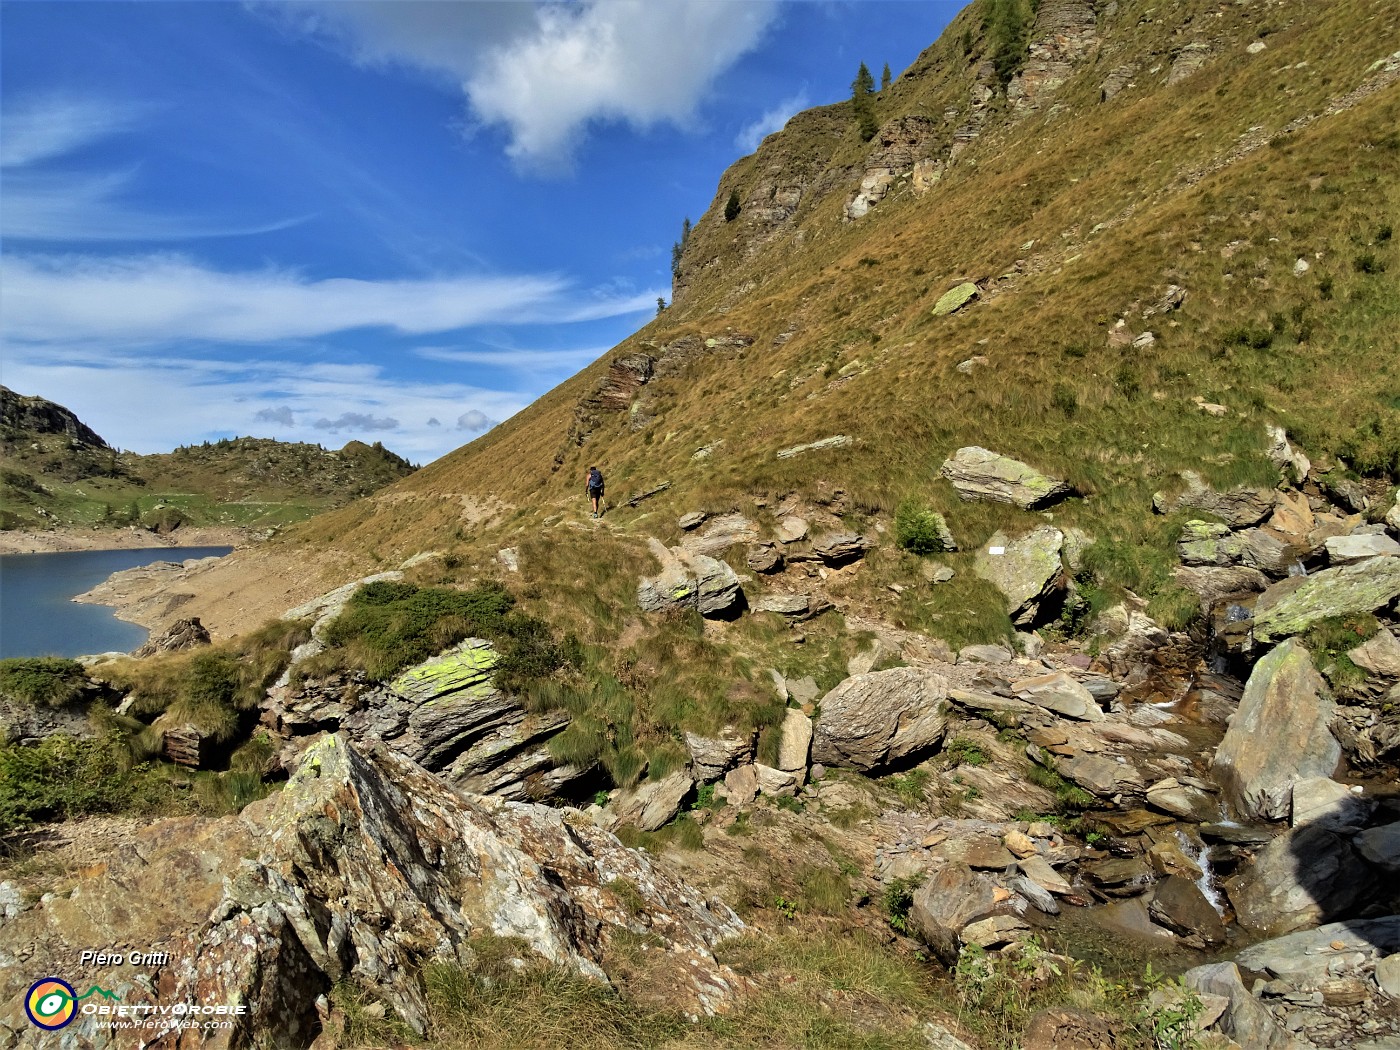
<point>384,220</point>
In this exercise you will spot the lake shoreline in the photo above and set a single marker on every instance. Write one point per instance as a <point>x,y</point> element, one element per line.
<point>62,541</point>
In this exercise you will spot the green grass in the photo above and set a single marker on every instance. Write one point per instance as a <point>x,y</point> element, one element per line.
<point>44,681</point>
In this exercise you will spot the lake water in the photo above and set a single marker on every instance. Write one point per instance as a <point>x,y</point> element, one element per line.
<point>38,617</point>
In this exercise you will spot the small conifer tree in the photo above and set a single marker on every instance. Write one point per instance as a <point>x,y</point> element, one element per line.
<point>862,88</point>
<point>885,78</point>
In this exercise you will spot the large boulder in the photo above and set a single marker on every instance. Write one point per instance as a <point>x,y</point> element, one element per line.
<point>1311,955</point>
<point>1342,550</point>
<point>1179,905</point>
<point>712,756</point>
<point>1027,570</point>
<point>1379,654</point>
<point>720,534</point>
<point>1293,605</point>
<point>794,743</point>
<point>1279,734</point>
<point>871,720</point>
<point>979,474</point>
<point>688,580</point>
<point>652,804</point>
<point>1060,693</point>
<point>1246,1020</point>
<point>364,870</point>
<point>951,899</point>
<point>1304,877</point>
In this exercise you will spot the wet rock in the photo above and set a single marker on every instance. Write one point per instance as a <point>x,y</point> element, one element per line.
<point>1060,693</point>
<point>1180,800</point>
<point>1180,906</point>
<point>1238,508</point>
<point>1381,846</point>
<point>710,757</point>
<point>1027,571</point>
<point>979,474</point>
<point>1293,605</point>
<point>1309,956</point>
<point>1245,1020</point>
<point>870,720</point>
<point>652,804</point>
<point>1302,878</point>
<point>838,548</point>
<point>1379,654</point>
<point>1280,734</point>
<point>179,636</point>
<point>1327,804</point>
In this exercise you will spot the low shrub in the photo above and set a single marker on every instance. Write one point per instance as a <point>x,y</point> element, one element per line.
<point>43,681</point>
<point>918,529</point>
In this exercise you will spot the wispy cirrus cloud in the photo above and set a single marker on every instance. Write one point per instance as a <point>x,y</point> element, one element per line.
<point>44,201</point>
<point>153,298</point>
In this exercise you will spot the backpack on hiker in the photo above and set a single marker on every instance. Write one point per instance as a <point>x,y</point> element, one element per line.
<point>595,480</point>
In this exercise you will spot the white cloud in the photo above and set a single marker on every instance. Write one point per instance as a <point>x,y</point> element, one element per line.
<point>475,420</point>
<point>547,77</point>
<point>772,120</point>
<point>521,359</point>
<point>153,405</point>
<point>165,297</point>
<point>40,128</point>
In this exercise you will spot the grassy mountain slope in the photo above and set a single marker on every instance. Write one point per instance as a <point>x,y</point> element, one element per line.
<point>1071,212</point>
<point>54,470</point>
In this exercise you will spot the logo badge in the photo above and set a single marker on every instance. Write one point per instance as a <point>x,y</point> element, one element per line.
<point>51,1003</point>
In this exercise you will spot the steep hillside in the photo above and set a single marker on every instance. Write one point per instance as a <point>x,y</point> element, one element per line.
<point>1180,224</point>
<point>56,471</point>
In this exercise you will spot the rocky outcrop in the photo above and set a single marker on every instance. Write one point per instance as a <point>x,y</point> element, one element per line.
<point>445,714</point>
<point>978,474</point>
<point>951,899</point>
<point>903,148</point>
<point>838,548</point>
<point>711,757</point>
<point>871,720</point>
<point>1293,605</point>
<point>1026,570</point>
<point>1238,508</point>
<point>37,416</point>
<point>616,392</point>
<point>1245,1020</point>
<point>1065,34</point>
<point>1279,735</point>
<point>180,635</point>
<point>721,533</point>
<point>689,581</point>
<point>366,868</point>
<point>652,804</point>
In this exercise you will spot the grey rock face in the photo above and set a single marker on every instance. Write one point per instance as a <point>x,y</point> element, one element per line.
<point>950,900</point>
<point>795,743</point>
<point>710,757</point>
<point>1279,734</point>
<point>721,533</point>
<point>1300,879</point>
<point>1238,508</point>
<point>979,474</point>
<point>1308,955</point>
<point>1379,654</point>
<point>371,851</point>
<point>764,557</point>
<point>1246,1020</point>
<point>180,635</point>
<point>689,580</point>
<point>1293,605</point>
<point>652,804</point>
<point>1327,804</point>
<point>1342,550</point>
<point>1180,906</point>
<point>1381,846</point>
<point>1060,693</point>
<point>870,720</point>
<point>1027,570</point>
<point>838,548</point>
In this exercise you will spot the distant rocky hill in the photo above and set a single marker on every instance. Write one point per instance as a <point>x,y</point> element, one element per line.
<point>57,471</point>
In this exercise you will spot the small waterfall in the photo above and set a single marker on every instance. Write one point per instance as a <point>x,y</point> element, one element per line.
<point>1200,856</point>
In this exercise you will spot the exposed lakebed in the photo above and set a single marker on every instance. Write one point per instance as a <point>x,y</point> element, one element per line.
<point>38,616</point>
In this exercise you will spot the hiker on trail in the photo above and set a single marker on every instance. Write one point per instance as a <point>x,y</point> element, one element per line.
<point>595,489</point>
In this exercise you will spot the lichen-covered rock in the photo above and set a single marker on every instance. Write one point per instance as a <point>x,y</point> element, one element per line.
<point>979,474</point>
<point>689,580</point>
<point>955,299</point>
<point>1279,734</point>
<point>1026,570</point>
<point>1293,605</point>
<point>870,720</point>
